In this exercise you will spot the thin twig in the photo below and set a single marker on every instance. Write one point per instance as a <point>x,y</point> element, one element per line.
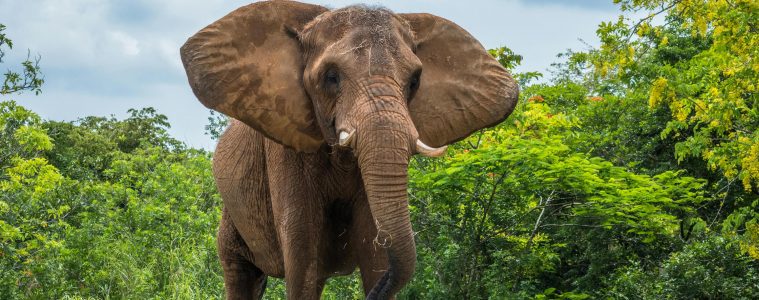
<point>540,217</point>
<point>634,29</point>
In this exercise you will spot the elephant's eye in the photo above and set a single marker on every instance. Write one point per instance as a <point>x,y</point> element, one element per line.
<point>331,80</point>
<point>413,84</point>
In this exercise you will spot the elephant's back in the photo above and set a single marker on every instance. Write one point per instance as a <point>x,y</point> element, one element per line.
<point>239,167</point>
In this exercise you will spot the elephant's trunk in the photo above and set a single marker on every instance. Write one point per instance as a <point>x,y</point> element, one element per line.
<point>384,144</point>
<point>384,169</point>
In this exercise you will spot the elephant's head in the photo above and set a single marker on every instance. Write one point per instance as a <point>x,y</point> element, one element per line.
<point>386,85</point>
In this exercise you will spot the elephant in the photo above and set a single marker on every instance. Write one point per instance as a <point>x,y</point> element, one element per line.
<point>326,109</point>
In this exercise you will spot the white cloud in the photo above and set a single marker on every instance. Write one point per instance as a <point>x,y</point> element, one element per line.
<point>129,45</point>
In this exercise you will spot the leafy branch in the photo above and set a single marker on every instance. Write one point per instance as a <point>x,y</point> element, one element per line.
<point>29,79</point>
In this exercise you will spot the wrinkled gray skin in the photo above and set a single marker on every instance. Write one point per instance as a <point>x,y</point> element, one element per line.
<point>309,214</point>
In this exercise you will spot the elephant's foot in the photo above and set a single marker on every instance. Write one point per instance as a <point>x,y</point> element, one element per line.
<point>243,280</point>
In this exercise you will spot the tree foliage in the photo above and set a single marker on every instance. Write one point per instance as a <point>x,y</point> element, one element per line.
<point>617,178</point>
<point>703,65</point>
<point>30,77</point>
<point>87,213</point>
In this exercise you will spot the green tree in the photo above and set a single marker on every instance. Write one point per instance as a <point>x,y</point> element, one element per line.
<point>505,212</point>
<point>702,64</point>
<point>30,77</point>
<point>106,216</point>
<point>217,122</point>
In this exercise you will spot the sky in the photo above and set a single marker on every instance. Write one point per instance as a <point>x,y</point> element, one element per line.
<point>102,57</point>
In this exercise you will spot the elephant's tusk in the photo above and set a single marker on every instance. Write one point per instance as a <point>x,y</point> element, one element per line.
<point>345,138</point>
<point>429,151</point>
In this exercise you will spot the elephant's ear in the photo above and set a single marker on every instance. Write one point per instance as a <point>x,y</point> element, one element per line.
<point>248,65</point>
<point>462,88</point>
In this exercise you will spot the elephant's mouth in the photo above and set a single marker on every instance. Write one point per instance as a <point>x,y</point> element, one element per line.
<point>330,132</point>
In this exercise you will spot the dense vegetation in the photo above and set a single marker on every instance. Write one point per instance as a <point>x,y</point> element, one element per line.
<point>632,173</point>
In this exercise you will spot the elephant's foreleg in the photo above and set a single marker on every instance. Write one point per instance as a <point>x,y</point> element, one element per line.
<point>242,279</point>
<point>301,259</point>
<point>298,213</point>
